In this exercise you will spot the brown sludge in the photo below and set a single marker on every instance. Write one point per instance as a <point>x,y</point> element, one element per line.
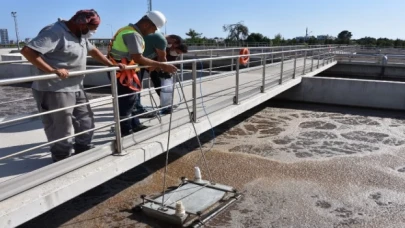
<point>298,165</point>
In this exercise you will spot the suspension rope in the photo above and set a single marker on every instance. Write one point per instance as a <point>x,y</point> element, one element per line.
<point>176,76</point>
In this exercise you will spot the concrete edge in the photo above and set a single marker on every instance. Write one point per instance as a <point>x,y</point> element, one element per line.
<point>38,200</point>
<point>320,69</point>
<point>355,79</point>
<point>389,99</point>
<point>369,63</point>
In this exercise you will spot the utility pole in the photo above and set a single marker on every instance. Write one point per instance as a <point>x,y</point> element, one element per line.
<point>14,14</point>
<point>306,34</point>
<point>149,5</point>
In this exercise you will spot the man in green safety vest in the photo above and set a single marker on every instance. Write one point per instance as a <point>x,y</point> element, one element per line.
<point>127,47</point>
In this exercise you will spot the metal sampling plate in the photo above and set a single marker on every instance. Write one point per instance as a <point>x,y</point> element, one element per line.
<point>200,200</point>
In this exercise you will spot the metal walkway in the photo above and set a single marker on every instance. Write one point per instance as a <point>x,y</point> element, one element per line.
<point>30,184</point>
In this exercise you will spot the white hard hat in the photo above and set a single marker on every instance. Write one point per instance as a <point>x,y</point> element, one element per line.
<point>157,18</point>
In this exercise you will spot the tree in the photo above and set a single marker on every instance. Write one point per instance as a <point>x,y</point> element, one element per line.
<point>236,32</point>
<point>312,40</point>
<point>367,41</point>
<point>193,34</point>
<point>277,40</point>
<point>399,43</point>
<point>255,37</point>
<point>385,42</point>
<point>344,37</point>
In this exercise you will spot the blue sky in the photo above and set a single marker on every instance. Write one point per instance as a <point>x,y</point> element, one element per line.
<point>382,18</point>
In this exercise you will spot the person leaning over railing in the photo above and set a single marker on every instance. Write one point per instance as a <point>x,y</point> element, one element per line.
<point>166,80</point>
<point>60,48</point>
<point>155,49</point>
<point>127,47</point>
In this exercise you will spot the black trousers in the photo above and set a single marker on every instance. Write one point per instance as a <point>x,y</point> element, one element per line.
<point>126,108</point>
<point>155,76</point>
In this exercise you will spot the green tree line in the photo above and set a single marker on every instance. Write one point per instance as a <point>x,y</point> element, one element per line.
<point>239,33</point>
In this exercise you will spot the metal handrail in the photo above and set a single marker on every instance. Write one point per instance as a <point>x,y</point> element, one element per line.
<point>107,85</point>
<point>13,187</point>
<point>108,69</point>
<point>43,77</point>
<point>202,50</point>
<point>143,91</point>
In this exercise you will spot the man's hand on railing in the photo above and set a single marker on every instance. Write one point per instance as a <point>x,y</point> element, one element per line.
<point>121,66</point>
<point>150,69</point>
<point>169,68</point>
<point>62,73</point>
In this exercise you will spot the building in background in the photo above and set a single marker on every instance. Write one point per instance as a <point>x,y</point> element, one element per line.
<point>325,37</point>
<point>4,36</point>
<point>300,39</point>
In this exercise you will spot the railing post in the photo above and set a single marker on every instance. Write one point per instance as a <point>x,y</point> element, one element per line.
<point>263,87</point>
<point>232,60</point>
<point>323,58</point>
<point>181,67</point>
<point>318,59</point>
<point>305,62</point>
<point>295,64</point>
<point>282,68</point>
<point>211,62</point>
<point>248,63</point>
<point>236,97</point>
<point>262,52</point>
<point>330,55</point>
<point>312,61</point>
<point>272,56</point>
<point>194,91</point>
<point>114,91</point>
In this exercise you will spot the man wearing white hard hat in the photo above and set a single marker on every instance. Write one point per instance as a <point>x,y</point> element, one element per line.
<point>127,47</point>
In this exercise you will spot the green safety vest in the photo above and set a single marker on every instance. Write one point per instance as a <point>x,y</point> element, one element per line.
<point>118,49</point>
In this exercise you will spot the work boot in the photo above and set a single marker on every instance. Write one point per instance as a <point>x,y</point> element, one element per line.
<point>80,148</point>
<point>146,115</point>
<point>58,157</point>
<point>139,128</point>
<point>60,152</point>
<point>126,133</point>
<point>166,111</point>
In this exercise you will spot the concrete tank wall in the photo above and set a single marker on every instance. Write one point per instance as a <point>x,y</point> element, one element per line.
<point>352,92</point>
<point>6,51</point>
<point>367,70</point>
